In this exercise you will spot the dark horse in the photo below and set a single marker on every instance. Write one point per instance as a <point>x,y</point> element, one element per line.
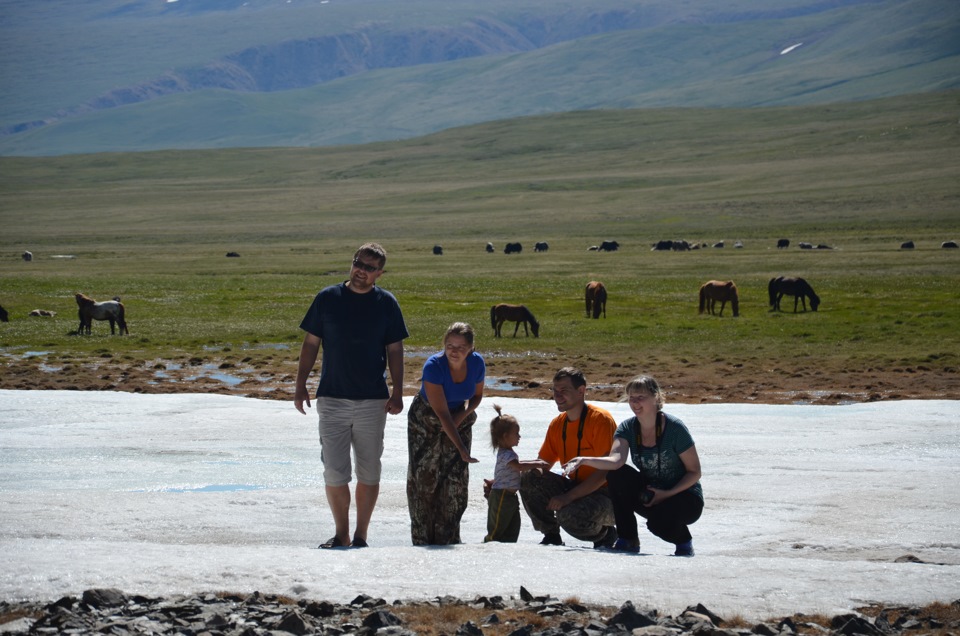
<point>596,298</point>
<point>90,310</point>
<point>796,287</point>
<point>517,313</point>
<point>722,291</point>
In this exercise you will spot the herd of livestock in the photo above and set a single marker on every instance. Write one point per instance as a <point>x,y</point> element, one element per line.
<point>595,295</point>
<point>677,246</point>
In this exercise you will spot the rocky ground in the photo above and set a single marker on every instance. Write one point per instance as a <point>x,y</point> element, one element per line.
<point>110,611</point>
<point>270,375</point>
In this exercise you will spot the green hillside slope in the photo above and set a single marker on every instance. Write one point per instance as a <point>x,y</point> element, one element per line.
<point>734,59</point>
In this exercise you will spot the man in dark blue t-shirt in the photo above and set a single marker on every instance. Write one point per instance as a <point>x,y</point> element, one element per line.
<point>360,328</point>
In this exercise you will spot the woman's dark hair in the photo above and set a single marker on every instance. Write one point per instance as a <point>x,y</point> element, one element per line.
<point>459,329</point>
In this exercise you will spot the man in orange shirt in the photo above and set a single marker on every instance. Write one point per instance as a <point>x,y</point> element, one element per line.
<point>579,502</point>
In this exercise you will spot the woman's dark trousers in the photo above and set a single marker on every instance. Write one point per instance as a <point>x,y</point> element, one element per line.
<point>667,520</point>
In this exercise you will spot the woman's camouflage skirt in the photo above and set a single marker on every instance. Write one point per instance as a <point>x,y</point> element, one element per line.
<point>437,478</point>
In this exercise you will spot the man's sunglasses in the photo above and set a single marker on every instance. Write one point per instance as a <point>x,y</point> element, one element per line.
<point>367,268</point>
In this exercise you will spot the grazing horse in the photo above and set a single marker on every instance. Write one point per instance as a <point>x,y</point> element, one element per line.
<point>516,313</point>
<point>796,287</point>
<point>722,291</point>
<point>596,298</point>
<point>90,310</point>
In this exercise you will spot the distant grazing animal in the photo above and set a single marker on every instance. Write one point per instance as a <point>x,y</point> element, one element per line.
<point>717,290</point>
<point>806,246</point>
<point>796,287</point>
<point>541,247</point>
<point>681,246</point>
<point>662,246</point>
<point>90,310</point>
<point>4,316</point>
<point>718,244</point>
<point>516,313</point>
<point>949,245</point>
<point>783,244</point>
<point>513,248</point>
<point>490,248</point>
<point>233,255</point>
<point>438,250</point>
<point>821,246</point>
<point>595,296</point>
<point>42,313</point>
<point>593,248</point>
<point>738,245</point>
<point>27,256</point>
<point>608,246</point>
<point>907,246</point>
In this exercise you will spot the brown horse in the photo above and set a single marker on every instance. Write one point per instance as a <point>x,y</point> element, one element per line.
<point>516,313</point>
<point>596,298</point>
<point>90,310</point>
<point>796,287</point>
<point>722,291</point>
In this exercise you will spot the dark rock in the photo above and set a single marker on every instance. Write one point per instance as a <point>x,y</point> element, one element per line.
<point>469,629</point>
<point>292,622</point>
<point>381,618</point>
<point>104,597</point>
<point>526,630</point>
<point>764,629</point>
<point>321,609</point>
<point>787,625</point>
<point>630,618</point>
<point>851,624</point>
<point>525,595</point>
<point>701,609</point>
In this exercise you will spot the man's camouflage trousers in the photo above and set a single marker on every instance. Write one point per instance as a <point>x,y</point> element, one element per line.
<point>586,518</point>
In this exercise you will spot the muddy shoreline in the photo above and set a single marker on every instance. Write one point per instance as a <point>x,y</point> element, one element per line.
<point>271,376</point>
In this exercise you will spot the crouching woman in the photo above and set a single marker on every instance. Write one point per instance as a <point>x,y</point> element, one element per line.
<point>664,488</point>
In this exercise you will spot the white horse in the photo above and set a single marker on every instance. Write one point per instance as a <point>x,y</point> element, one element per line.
<point>90,310</point>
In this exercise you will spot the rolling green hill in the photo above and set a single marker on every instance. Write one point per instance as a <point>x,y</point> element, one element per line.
<point>861,177</point>
<point>142,78</point>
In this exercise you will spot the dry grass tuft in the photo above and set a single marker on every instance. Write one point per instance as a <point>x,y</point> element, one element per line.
<point>434,620</point>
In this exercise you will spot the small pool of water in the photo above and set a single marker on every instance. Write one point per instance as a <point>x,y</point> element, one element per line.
<point>500,384</point>
<point>216,488</point>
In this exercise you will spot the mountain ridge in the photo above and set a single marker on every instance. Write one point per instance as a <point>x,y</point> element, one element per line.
<point>909,46</point>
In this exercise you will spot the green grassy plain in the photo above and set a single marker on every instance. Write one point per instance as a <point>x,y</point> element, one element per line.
<point>862,177</point>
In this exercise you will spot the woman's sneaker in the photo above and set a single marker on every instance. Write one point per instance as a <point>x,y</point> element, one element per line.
<point>627,545</point>
<point>684,549</point>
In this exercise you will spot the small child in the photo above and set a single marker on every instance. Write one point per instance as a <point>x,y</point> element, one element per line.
<point>503,515</point>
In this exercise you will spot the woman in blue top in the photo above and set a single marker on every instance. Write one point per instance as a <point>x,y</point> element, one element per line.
<point>665,487</point>
<point>439,433</point>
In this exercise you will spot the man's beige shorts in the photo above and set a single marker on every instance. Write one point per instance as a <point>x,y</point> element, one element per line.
<point>351,423</point>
